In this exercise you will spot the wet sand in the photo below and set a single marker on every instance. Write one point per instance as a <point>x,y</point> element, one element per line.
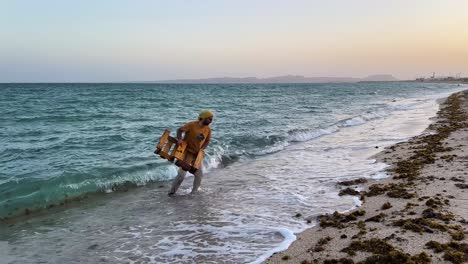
<point>417,215</point>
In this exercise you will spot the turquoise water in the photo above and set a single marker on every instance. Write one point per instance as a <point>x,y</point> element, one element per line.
<point>275,146</point>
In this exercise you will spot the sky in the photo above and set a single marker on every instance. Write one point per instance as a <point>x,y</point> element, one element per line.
<point>145,40</point>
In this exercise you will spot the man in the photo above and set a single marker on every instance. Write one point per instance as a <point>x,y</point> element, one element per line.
<point>197,136</point>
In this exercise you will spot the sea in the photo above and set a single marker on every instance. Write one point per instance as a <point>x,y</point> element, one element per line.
<point>79,182</point>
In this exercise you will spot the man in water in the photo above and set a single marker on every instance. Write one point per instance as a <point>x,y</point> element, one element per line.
<point>197,136</point>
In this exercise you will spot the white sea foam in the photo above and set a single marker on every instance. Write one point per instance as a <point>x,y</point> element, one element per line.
<point>380,175</point>
<point>289,238</point>
<point>357,201</point>
<point>306,135</point>
<point>214,160</point>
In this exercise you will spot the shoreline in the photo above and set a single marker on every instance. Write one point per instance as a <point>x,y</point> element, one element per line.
<point>417,215</point>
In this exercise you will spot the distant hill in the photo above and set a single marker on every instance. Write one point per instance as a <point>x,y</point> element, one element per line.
<point>380,78</point>
<point>286,79</point>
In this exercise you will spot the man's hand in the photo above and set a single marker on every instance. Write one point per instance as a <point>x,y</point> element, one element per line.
<point>179,142</point>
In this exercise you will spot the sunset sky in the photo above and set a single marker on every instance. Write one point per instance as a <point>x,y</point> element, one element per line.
<point>143,40</point>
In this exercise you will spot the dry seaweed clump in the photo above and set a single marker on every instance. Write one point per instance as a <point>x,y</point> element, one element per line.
<point>433,203</point>
<point>448,157</point>
<point>397,257</point>
<point>453,251</point>
<point>348,191</point>
<point>386,206</point>
<point>339,261</point>
<point>393,190</point>
<point>353,182</point>
<point>462,185</point>
<point>384,253</point>
<point>420,225</point>
<point>373,245</point>
<point>321,243</point>
<point>431,213</point>
<point>408,169</point>
<point>376,189</point>
<point>361,225</point>
<point>399,191</point>
<point>457,233</point>
<point>377,218</point>
<point>336,219</point>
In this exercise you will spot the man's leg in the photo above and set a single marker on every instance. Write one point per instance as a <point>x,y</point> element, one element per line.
<point>177,181</point>
<point>197,180</point>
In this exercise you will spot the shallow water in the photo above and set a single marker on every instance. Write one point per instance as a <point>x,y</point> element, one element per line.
<point>278,150</point>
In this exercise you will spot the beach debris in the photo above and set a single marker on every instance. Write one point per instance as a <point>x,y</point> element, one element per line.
<point>448,157</point>
<point>286,257</point>
<point>399,191</point>
<point>398,257</point>
<point>373,245</point>
<point>420,225</point>
<point>377,218</point>
<point>348,191</point>
<point>457,179</point>
<point>457,235</point>
<point>336,219</point>
<point>339,261</point>
<point>320,246</point>
<point>433,203</point>
<point>361,225</point>
<point>384,252</point>
<point>431,213</point>
<point>453,251</point>
<point>392,190</point>
<point>386,206</point>
<point>410,205</point>
<point>353,182</point>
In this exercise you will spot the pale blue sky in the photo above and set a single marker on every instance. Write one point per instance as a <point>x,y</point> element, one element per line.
<point>121,40</point>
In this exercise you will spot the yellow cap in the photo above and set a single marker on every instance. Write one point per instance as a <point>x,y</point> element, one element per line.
<point>205,114</point>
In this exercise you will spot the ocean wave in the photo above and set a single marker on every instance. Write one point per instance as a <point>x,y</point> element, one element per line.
<point>364,118</point>
<point>42,193</point>
<point>301,135</point>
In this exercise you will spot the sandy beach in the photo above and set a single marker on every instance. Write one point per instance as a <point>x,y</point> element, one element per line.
<point>417,215</point>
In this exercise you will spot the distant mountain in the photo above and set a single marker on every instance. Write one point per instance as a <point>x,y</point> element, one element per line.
<point>286,79</point>
<point>380,78</point>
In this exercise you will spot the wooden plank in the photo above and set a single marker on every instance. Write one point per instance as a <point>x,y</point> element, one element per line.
<point>167,147</point>
<point>199,159</point>
<point>189,157</point>
<point>163,139</point>
<point>164,155</point>
<point>179,151</point>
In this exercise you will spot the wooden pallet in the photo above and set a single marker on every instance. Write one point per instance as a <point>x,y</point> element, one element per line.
<point>168,149</point>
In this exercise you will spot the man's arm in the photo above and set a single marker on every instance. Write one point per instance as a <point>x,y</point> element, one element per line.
<point>181,130</point>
